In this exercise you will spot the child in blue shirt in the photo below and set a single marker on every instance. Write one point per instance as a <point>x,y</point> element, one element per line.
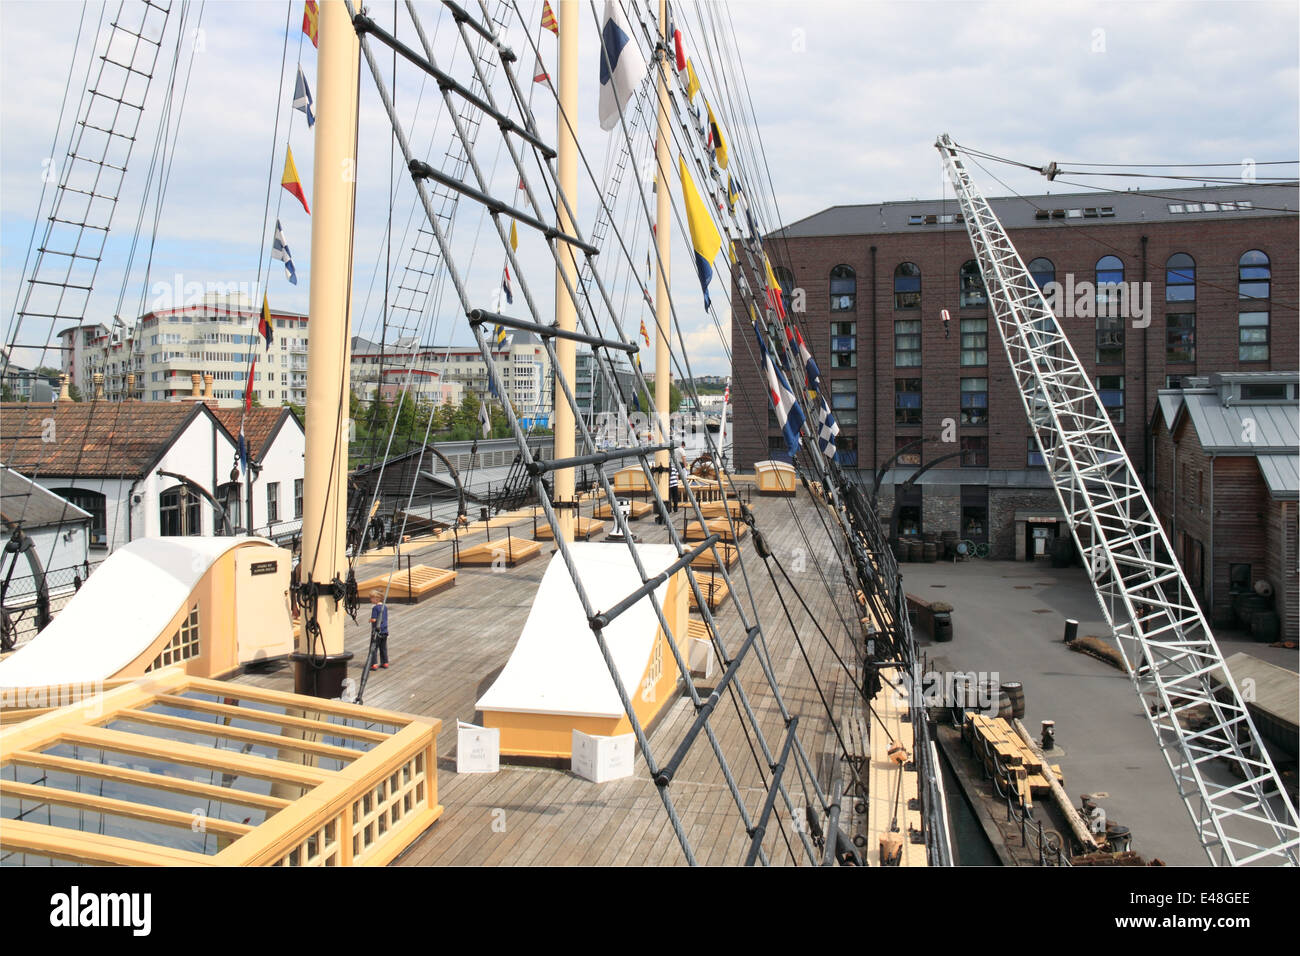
<point>379,630</point>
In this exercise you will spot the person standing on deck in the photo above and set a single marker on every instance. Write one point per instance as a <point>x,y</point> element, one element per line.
<point>378,630</point>
<point>674,480</point>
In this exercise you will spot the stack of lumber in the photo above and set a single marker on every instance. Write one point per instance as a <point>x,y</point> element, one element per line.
<point>995,735</point>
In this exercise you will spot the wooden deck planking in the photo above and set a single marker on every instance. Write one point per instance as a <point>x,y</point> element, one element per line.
<point>444,650</point>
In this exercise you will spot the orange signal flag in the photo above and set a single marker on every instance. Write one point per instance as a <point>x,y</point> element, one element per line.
<point>290,179</point>
<point>548,18</point>
<point>311,22</point>
<point>644,334</point>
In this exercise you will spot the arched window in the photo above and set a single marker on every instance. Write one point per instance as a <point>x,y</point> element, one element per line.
<point>1042,271</point>
<point>91,501</point>
<point>907,286</point>
<point>971,285</point>
<point>844,289</point>
<point>1253,275</point>
<point>1110,321</point>
<point>230,495</point>
<point>179,513</point>
<point>1180,314</point>
<point>1180,278</point>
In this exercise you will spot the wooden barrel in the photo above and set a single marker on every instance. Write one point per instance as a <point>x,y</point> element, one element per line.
<point>998,701</point>
<point>929,552</point>
<point>1015,693</point>
<point>914,550</point>
<point>901,551</point>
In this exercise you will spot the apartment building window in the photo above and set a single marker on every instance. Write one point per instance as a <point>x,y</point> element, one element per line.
<point>907,401</point>
<point>971,286</point>
<point>1253,275</point>
<point>907,286</point>
<point>907,343</point>
<point>911,457</point>
<point>844,345</point>
<point>974,341</point>
<point>1111,390</point>
<point>297,497</point>
<point>844,289</point>
<point>1033,457</point>
<point>272,502</point>
<point>974,401</point>
<point>974,451</point>
<point>1180,278</point>
<point>844,400</point>
<point>846,451</point>
<point>1252,336</point>
<point>1042,271</point>
<point>1110,324</point>
<point>1180,337</point>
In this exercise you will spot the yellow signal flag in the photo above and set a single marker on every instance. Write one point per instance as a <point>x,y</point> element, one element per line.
<point>705,240</point>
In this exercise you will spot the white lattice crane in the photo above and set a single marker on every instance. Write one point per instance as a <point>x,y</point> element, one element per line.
<point>1225,777</point>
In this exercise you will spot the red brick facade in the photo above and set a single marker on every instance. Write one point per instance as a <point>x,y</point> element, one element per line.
<point>1074,248</point>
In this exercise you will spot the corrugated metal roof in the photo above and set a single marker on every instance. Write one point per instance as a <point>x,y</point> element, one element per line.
<point>1017,212</point>
<point>1170,402</point>
<point>1282,475</point>
<point>23,501</point>
<point>1243,429</point>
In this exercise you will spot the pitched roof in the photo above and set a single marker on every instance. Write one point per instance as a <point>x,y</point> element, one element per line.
<point>260,425</point>
<point>106,439</point>
<point>1016,212</point>
<point>24,502</point>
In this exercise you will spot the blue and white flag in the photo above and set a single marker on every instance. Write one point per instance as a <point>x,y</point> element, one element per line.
<point>302,98</point>
<point>621,65</point>
<point>280,250</point>
<point>828,429</point>
<point>789,414</point>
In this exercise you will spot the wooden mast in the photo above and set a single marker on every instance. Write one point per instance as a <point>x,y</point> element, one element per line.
<point>566,314</point>
<point>663,229</point>
<point>328,348</point>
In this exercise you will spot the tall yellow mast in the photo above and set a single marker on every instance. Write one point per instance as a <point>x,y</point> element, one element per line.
<point>566,313</point>
<point>663,227</point>
<point>328,348</point>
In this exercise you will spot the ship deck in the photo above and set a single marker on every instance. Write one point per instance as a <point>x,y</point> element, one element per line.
<point>447,650</point>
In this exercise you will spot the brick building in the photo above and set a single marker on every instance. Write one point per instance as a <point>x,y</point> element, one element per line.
<point>1150,290</point>
<point>1227,478</point>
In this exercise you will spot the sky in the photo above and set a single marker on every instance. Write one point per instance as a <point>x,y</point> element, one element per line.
<point>848,99</point>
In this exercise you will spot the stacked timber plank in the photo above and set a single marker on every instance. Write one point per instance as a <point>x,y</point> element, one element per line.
<point>995,735</point>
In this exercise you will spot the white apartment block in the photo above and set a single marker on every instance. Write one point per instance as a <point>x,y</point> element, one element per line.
<point>154,359</point>
<point>443,374</point>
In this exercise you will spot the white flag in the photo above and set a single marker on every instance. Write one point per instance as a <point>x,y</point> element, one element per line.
<point>621,65</point>
<point>485,419</point>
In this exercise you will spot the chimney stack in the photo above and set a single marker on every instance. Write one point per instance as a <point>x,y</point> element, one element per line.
<point>196,385</point>
<point>207,385</point>
<point>99,385</point>
<point>64,396</point>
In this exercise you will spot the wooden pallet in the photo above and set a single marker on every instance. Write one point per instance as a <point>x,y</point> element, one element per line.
<point>584,529</point>
<point>715,591</point>
<point>706,561</point>
<point>408,585</point>
<point>719,526</point>
<point>510,551</point>
<point>639,509</point>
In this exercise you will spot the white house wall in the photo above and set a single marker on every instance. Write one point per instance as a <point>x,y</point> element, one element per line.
<point>283,463</point>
